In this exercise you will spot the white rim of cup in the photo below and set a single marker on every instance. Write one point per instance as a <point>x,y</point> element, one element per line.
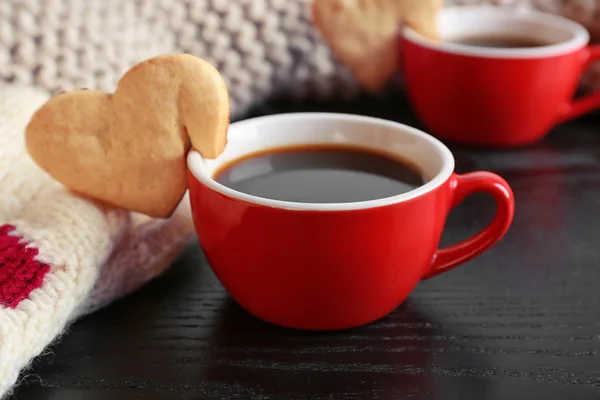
<point>196,164</point>
<point>579,35</point>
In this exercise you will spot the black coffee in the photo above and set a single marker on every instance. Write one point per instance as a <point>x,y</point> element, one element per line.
<point>320,174</point>
<point>500,41</point>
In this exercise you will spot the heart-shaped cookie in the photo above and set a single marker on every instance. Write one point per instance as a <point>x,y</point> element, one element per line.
<point>420,15</point>
<point>129,148</point>
<point>363,34</point>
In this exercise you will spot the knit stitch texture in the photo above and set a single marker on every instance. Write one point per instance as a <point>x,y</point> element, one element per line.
<point>262,47</point>
<point>63,256</point>
<point>21,272</point>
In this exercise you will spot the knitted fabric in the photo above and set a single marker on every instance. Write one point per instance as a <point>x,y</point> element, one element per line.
<point>63,256</point>
<point>262,47</point>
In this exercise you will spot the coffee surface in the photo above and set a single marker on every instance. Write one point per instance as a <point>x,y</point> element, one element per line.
<point>320,174</point>
<point>500,41</point>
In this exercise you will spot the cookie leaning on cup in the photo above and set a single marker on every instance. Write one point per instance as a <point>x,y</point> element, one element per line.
<point>363,34</point>
<point>128,149</point>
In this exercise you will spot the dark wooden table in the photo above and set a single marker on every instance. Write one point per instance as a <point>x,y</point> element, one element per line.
<point>520,322</point>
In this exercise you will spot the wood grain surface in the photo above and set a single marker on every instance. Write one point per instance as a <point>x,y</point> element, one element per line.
<point>520,322</point>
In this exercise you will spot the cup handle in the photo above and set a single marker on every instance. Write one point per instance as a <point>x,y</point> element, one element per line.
<point>462,186</point>
<point>579,107</point>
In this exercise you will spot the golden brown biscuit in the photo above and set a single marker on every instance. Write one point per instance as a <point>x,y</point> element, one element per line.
<point>363,34</point>
<point>129,148</point>
<point>420,15</point>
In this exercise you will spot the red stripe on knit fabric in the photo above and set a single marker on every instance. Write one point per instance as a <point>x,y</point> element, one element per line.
<point>20,272</point>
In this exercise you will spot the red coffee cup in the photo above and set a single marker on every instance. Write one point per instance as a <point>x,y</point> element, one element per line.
<point>335,265</point>
<point>497,97</point>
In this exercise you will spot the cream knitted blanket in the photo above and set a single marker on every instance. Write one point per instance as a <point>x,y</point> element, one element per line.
<point>262,47</point>
<point>63,256</point>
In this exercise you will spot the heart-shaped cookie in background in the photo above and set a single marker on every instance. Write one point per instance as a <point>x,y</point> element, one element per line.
<point>128,149</point>
<point>363,34</point>
<point>420,15</point>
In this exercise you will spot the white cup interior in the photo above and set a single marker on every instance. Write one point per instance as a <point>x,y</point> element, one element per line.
<point>562,35</point>
<point>423,151</point>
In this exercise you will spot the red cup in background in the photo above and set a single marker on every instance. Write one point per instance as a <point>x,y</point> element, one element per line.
<point>497,97</point>
<point>335,265</point>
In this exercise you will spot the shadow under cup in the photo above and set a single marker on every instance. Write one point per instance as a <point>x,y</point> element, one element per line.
<point>497,96</point>
<point>334,265</point>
